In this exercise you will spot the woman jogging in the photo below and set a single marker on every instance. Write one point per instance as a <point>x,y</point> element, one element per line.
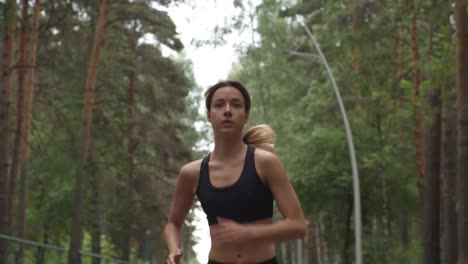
<point>236,185</point>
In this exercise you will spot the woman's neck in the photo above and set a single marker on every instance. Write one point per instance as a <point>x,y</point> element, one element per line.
<point>228,148</point>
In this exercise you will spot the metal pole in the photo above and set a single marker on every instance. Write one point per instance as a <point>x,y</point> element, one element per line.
<point>352,153</point>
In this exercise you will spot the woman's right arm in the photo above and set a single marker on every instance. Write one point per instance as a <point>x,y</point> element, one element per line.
<point>181,203</point>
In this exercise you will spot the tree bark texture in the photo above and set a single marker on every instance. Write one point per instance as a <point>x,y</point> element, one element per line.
<point>5,90</point>
<point>85,132</point>
<point>416,79</point>
<point>449,176</point>
<point>22,72</point>
<point>131,147</point>
<point>461,24</point>
<point>431,209</point>
<point>95,212</point>
<point>27,118</point>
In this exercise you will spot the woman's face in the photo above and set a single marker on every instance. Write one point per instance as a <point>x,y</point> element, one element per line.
<point>227,110</point>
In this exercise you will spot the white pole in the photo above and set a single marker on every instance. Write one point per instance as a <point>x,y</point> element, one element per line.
<point>352,153</point>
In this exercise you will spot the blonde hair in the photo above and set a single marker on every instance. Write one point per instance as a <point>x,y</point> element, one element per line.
<point>262,136</point>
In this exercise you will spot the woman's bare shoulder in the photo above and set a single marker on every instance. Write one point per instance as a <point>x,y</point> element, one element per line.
<point>266,162</point>
<point>188,176</point>
<point>191,170</point>
<point>265,157</point>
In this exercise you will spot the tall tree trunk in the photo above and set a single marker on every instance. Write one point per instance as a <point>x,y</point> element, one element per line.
<point>5,87</point>
<point>95,212</point>
<point>397,69</point>
<point>85,131</point>
<point>287,245</point>
<point>432,203</point>
<point>131,147</point>
<point>27,117</point>
<point>310,243</point>
<point>318,243</point>
<point>416,78</point>
<point>41,251</point>
<point>356,24</point>
<point>461,18</point>
<point>404,230</point>
<point>327,251</point>
<point>386,221</point>
<point>396,93</point>
<point>284,257</point>
<point>334,251</point>
<point>20,112</point>
<point>431,219</point>
<point>417,113</point>
<point>291,253</point>
<point>348,234</point>
<point>449,172</point>
<point>300,251</point>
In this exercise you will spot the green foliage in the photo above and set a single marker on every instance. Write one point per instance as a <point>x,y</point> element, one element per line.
<point>163,124</point>
<point>368,47</point>
<point>410,255</point>
<point>2,14</point>
<point>367,44</point>
<point>148,20</point>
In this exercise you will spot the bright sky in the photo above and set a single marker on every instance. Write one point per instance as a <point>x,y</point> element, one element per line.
<point>196,22</point>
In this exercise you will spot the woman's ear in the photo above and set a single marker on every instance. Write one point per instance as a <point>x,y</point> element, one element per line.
<point>208,116</point>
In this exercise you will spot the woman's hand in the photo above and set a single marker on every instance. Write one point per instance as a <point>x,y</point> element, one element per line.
<point>229,232</point>
<point>174,256</point>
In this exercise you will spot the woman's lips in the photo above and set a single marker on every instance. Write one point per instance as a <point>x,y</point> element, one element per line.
<point>227,123</point>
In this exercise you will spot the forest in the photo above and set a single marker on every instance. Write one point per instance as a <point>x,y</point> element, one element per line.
<point>96,121</point>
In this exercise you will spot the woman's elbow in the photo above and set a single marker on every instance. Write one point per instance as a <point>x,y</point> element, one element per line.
<point>302,229</point>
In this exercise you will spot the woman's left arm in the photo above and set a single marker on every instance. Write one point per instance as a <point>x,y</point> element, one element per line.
<point>292,226</point>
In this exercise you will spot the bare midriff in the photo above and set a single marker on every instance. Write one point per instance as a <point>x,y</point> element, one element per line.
<point>249,252</point>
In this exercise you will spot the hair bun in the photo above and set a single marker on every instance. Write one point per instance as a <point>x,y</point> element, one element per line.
<point>261,136</point>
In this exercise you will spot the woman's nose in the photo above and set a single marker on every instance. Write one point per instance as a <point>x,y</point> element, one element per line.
<point>227,109</point>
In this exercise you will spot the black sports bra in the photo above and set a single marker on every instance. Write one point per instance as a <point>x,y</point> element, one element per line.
<point>247,200</point>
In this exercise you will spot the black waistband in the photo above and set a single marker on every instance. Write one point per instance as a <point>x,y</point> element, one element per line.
<point>270,261</point>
